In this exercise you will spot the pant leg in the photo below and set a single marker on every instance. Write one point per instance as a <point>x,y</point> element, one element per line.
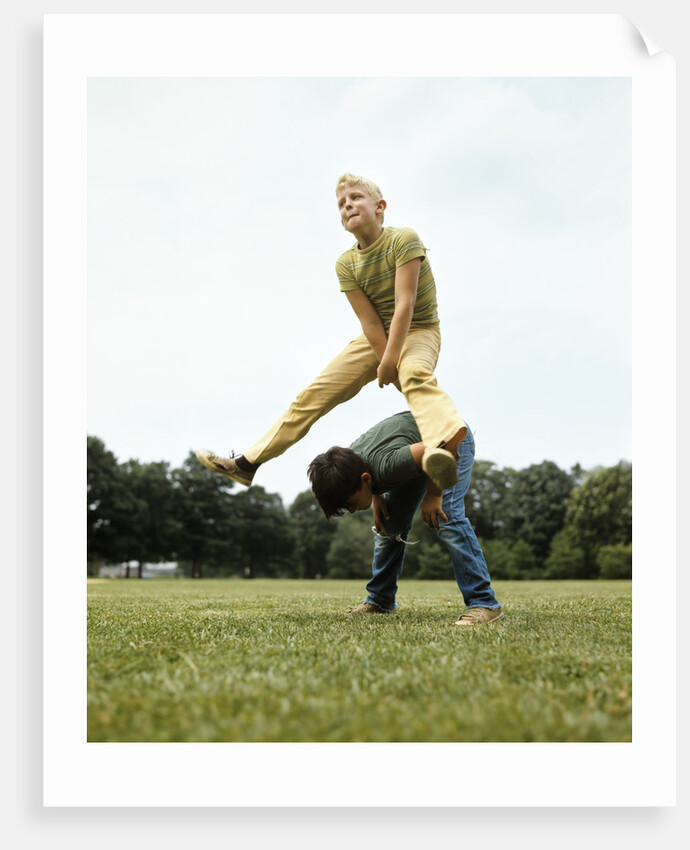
<point>389,546</point>
<point>435,414</point>
<point>457,534</point>
<point>340,381</point>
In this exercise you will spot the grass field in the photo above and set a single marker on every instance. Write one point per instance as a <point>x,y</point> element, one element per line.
<point>261,660</point>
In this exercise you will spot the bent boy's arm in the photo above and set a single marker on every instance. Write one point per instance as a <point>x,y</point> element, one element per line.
<point>406,281</point>
<point>372,326</point>
<point>380,507</point>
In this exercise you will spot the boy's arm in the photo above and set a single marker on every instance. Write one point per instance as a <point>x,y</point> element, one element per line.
<point>432,503</point>
<point>380,507</point>
<point>372,326</point>
<point>406,280</point>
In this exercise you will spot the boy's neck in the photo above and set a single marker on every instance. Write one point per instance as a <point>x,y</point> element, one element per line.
<point>366,240</point>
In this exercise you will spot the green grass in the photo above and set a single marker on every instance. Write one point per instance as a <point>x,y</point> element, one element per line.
<point>262,660</point>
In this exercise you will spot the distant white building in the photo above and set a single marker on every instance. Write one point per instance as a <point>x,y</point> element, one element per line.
<point>166,569</point>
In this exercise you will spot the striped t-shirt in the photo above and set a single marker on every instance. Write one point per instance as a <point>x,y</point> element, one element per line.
<point>373,269</point>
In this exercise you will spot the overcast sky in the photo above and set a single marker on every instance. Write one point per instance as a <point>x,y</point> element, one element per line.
<point>213,235</point>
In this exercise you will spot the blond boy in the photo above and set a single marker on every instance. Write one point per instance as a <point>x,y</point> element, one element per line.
<point>387,279</point>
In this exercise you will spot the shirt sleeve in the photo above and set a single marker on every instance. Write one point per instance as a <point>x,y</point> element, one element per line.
<point>407,246</point>
<point>395,467</point>
<point>347,281</point>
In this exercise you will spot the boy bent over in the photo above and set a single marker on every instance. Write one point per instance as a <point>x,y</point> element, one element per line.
<point>383,469</point>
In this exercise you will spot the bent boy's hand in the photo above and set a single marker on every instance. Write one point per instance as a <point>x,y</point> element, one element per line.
<point>432,509</point>
<point>380,513</point>
<point>387,373</point>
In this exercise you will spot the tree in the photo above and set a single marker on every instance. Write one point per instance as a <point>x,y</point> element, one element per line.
<point>141,513</point>
<point>352,547</point>
<point>499,558</point>
<point>523,561</point>
<point>577,474</point>
<point>116,511</point>
<point>615,561</point>
<point>566,558</point>
<point>484,502</point>
<point>146,512</point>
<point>101,481</point>
<point>434,562</point>
<point>314,534</point>
<point>422,538</point>
<point>265,535</point>
<point>156,528</point>
<point>205,537</point>
<point>599,512</point>
<point>534,507</point>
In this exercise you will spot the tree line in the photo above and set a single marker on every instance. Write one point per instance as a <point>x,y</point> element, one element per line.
<point>535,523</point>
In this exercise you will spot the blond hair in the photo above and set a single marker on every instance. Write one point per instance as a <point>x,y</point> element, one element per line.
<point>371,188</point>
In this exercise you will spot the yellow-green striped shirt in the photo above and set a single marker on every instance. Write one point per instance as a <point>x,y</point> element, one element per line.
<point>373,269</point>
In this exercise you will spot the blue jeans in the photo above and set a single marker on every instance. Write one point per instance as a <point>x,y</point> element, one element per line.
<point>469,565</point>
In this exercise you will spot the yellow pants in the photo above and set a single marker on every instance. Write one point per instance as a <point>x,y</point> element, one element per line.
<point>355,366</point>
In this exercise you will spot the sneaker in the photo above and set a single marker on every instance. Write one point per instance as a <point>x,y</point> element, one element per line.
<point>441,467</point>
<point>225,466</point>
<point>367,608</point>
<point>478,616</point>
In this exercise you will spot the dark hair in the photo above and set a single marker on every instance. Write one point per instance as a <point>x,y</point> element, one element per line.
<point>335,476</point>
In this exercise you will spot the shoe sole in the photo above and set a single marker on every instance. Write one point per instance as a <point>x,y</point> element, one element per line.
<point>441,467</point>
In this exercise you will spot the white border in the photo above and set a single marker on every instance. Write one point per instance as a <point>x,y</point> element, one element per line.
<point>81,774</point>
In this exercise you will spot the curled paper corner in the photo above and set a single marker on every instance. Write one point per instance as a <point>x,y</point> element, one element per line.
<point>643,41</point>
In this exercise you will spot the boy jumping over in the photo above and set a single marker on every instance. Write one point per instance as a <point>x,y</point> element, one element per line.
<point>388,281</point>
<point>383,468</point>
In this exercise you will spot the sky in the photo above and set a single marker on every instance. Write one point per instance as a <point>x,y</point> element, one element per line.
<point>213,234</point>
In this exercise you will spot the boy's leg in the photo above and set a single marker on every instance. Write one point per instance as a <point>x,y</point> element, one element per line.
<point>436,416</point>
<point>340,381</point>
<point>389,545</point>
<point>469,565</point>
<point>441,427</point>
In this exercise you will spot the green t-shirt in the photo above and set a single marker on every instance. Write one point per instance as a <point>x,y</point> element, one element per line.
<point>386,451</point>
<point>373,270</point>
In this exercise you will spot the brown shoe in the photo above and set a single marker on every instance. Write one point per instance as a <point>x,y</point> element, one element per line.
<point>478,616</point>
<point>225,466</point>
<point>441,467</point>
<point>367,608</point>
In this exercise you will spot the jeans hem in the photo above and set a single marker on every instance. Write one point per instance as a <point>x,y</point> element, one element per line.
<point>387,610</point>
<point>488,607</point>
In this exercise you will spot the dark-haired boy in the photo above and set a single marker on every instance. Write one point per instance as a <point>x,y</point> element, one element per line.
<point>383,469</point>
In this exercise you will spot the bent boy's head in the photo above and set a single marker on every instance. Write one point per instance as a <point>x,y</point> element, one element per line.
<point>341,481</point>
<point>349,181</point>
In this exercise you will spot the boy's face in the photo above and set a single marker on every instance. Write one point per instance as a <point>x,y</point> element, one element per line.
<point>360,500</point>
<point>358,210</point>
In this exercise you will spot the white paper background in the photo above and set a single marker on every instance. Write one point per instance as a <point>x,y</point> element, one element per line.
<point>25,821</point>
<point>284,775</point>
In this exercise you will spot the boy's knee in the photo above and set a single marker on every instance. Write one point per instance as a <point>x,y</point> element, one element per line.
<point>414,375</point>
<point>391,534</point>
<point>452,527</point>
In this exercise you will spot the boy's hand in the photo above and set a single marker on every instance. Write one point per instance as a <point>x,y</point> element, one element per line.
<point>387,373</point>
<point>380,512</point>
<point>432,509</point>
